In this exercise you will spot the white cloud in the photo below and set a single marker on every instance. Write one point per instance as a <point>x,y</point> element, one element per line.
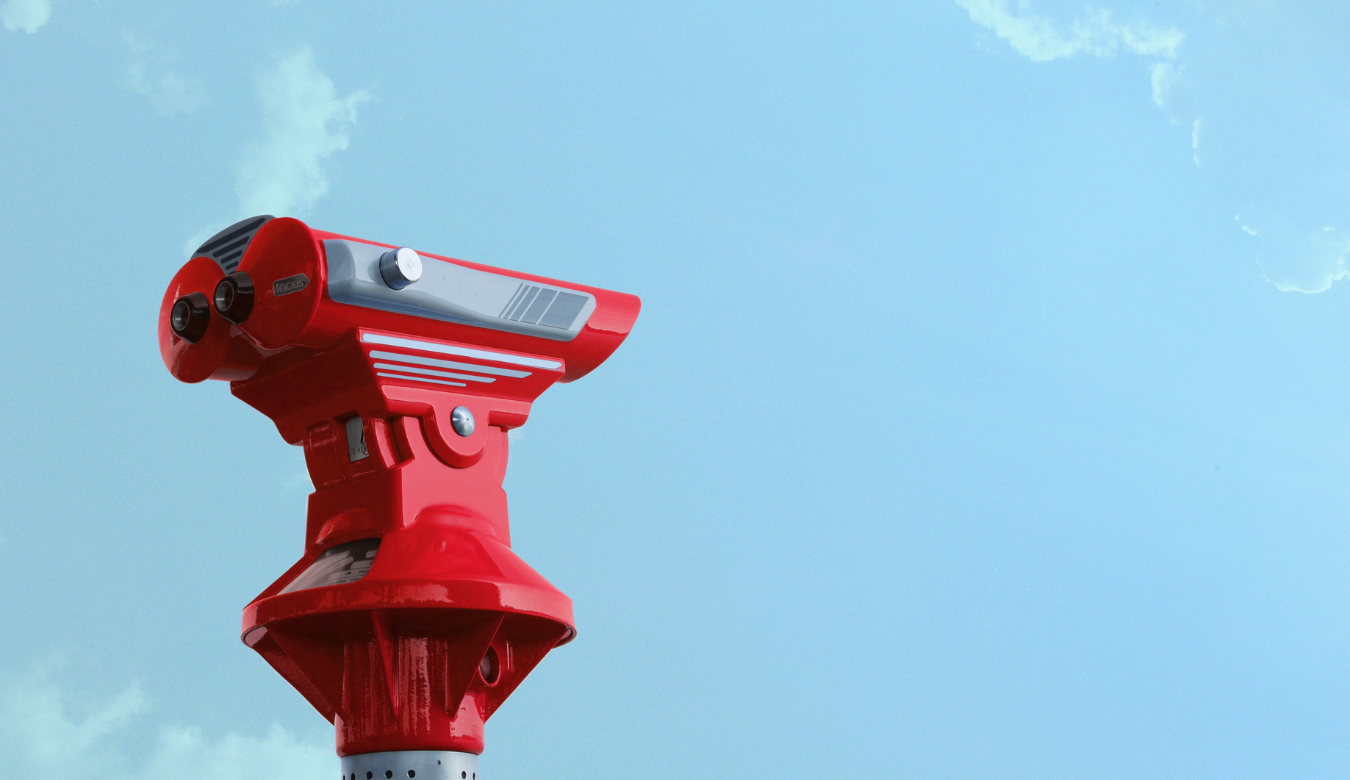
<point>38,733</point>
<point>1269,125</point>
<point>41,737</point>
<point>1164,78</point>
<point>1258,91</point>
<point>1293,257</point>
<point>1095,33</point>
<point>25,15</point>
<point>1174,93</point>
<point>149,74</point>
<point>304,122</point>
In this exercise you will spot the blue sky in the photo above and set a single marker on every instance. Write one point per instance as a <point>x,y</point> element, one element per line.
<point>985,417</point>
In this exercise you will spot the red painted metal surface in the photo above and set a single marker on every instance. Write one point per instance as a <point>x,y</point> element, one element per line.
<point>420,651</point>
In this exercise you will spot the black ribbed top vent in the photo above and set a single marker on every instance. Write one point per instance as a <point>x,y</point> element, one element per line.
<point>227,246</point>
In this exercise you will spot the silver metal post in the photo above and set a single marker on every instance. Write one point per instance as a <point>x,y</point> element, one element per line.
<point>411,765</point>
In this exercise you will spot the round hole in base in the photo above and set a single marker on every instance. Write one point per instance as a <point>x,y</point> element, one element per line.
<point>490,669</point>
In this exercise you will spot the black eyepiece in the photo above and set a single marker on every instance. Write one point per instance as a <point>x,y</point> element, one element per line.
<point>189,317</point>
<point>234,297</point>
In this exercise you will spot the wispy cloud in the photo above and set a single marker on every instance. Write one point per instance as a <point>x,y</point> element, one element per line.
<point>1268,126</point>
<point>1258,92</point>
<point>1096,32</point>
<point>44,734</point>
<point>151,74</point>
<point>1293,257</point>
<point>25,15</point>
<point>304,123</point>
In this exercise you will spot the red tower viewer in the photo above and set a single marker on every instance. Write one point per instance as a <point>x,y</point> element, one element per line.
<point>408,620</point>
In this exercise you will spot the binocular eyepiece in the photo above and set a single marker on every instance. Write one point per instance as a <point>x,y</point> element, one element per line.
<point>190,316</point>
<point>234,294</point>
<point>234,297</point>
<point>233,300</point>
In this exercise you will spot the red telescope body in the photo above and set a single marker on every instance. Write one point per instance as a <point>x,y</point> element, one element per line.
<point>408,620</point>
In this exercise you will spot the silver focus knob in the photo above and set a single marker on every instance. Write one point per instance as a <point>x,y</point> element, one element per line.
<point>400,267</point>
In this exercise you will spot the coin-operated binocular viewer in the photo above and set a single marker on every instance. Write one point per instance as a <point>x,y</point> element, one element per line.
<point>409,620</point>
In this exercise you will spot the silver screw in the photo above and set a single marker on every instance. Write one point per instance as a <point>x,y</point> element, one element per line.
<point>461,419</point>
<point>400,267</point>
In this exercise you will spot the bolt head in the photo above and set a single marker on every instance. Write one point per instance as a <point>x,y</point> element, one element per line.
<point>461,419</point>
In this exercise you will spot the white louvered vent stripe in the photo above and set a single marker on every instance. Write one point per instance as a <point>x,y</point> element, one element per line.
<point>433,372</point>
<point>421,379</point>
<point>378,354</point>
<point>446,349</point>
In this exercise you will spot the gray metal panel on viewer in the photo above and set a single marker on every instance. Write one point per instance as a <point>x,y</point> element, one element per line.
<point>452,293</point>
